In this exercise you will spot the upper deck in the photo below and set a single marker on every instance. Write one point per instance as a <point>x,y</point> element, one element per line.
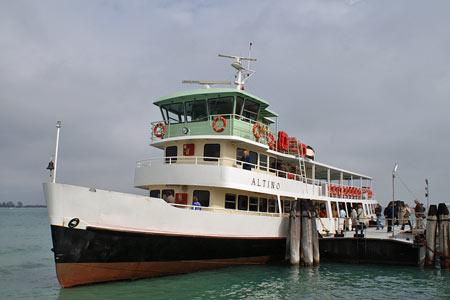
<point>194,112</point>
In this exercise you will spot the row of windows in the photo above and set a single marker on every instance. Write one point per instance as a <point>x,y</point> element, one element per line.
<point>201,195</point>
<point>199,110</point>
<point>210,151</point>
<point>243,202</point>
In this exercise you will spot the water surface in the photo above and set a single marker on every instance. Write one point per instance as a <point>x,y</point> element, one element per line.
<point>27,271</point>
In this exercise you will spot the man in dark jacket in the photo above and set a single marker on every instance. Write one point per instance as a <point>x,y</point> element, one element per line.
<point>378,210</point>
<point>246,161</point>
<point>389,215</point>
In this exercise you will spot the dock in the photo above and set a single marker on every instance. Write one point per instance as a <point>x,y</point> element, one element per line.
<point>377,246</point>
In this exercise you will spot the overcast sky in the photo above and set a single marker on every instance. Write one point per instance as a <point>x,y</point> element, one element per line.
<point>366,83</point>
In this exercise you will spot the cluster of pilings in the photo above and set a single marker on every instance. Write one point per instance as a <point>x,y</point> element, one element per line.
<point>437,236</point>
<point>302,243</point>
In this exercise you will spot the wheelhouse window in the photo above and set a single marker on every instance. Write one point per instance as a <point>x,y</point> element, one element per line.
<point>202,196</point>
<point>253,206</point>
<point>230,201</point>
<point>253,157</point>
<point>242,202</point>
<point>173,113</point>
<point>220,106</point>
<point>251,109</point>
<point>263,162</point>
<point>196,111</point>
<point>239,105</point>
<point>210,151</point>
<point>171,153</point>
<point>155,193</point>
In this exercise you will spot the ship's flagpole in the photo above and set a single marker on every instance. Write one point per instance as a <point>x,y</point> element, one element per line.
<point>58,127</point>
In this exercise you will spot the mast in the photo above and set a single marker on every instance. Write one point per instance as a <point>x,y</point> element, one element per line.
<point>242,73</point>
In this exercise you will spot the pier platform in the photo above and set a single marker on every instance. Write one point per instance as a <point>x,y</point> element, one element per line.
<point>377,246</point>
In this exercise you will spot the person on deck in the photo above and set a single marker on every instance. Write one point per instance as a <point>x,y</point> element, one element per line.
<point>343,216</point>
<point>378,210</point>
<point>246,161</point>
<point>196,204</point>
<point>170,198</point>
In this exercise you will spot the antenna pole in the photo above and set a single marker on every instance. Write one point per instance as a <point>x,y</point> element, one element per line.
<point>249,53</point>
<point>58,127</point>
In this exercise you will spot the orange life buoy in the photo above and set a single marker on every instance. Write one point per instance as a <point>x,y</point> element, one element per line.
<point>159,132</point>
<point>257,135</point>
<point>224,121</point>
<point>270,140</point>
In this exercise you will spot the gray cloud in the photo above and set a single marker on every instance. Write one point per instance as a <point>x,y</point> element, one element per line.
<point>364,82</point>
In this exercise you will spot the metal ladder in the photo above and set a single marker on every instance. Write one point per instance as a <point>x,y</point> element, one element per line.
<point>301,162</point>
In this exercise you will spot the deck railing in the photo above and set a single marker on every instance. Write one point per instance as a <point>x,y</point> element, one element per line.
<point>230,162</point>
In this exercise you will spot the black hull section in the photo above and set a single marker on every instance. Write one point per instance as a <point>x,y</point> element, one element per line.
<point>366,250</point>
<point>107,246</point>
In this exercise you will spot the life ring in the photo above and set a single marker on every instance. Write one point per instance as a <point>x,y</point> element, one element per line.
<point>224,121</point>
<point>270,140</point>
<point>257,128</point>
<point>159,133</point>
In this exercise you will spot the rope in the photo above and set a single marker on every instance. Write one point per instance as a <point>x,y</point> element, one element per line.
<point>432,250</point>
<point>404,184</point>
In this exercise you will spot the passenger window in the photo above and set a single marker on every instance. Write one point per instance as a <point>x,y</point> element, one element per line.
<point>272,207</point>
<point>221,106</point>
<point>211,150</point>
<point>202,196</point>
<point>170,152</point>
<point>230,201</point>
<point>253,204</point>
<point>253,157</point>
<point>239,154</point>
<point>263,162</point>
<point>242,202</point>
<point>263,204</point>
<point>155,193</point>
<point>166,192</point>
<point>272,164</point>
<point>287,206</point>
<point>196,111</point>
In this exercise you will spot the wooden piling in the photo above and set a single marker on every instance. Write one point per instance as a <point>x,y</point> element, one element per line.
<point>315,238</point>
<point>293,240</point>
<point>444,241</point>
<point>306,243</point>
<point>431,236</point>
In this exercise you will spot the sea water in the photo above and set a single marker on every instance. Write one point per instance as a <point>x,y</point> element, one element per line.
<point>27,271</point>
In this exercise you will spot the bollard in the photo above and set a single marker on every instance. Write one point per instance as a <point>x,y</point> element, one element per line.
<point>444,242</point>
<point>315,239</point>
<point>306,234</point>
<point>431,236</point>
<point>293,240</point>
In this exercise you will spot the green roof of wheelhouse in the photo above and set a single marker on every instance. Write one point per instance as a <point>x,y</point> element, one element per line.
<point>200,93</point>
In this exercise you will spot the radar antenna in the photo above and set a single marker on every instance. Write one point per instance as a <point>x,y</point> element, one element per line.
<point>206,83</point>
<point>242,73</point>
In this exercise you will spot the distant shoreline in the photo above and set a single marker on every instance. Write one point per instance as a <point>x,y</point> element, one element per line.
<point>25,206</point>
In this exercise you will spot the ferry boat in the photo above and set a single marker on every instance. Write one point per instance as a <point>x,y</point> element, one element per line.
<point>208,205</point>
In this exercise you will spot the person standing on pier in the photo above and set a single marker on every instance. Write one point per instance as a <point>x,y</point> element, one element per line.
<point>389,215</point>
<point>378,210</point>
<point>419,213</point>
<point>354,218</point>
